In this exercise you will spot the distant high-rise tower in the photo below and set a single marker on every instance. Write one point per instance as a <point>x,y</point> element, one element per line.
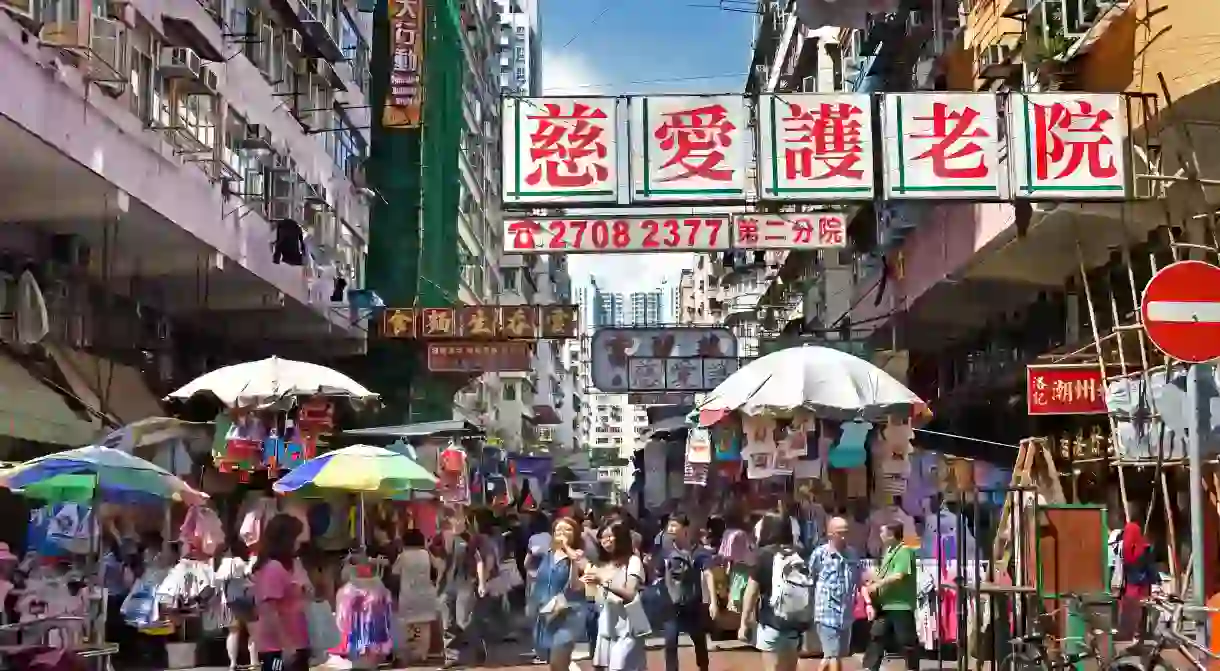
<point>647,308</point>
<point>520,47</point>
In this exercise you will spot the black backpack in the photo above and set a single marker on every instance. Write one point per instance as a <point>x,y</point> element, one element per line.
<point>682,579</point>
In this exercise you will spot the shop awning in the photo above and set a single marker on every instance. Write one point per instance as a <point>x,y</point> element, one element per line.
<point>455,428</point>
<point>99,382</point>
<point>32,410</point>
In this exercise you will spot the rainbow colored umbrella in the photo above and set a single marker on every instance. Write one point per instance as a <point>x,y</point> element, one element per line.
<point>360,468</point>
<point>75,474</point>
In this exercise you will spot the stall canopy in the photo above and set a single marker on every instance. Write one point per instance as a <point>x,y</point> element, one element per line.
<point>108,388</point>
<point>452,428</point>
<point>32,410</point>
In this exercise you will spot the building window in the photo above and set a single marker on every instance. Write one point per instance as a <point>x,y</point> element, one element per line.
<point>520,31</point>
<point>144,50</point>
<point>510,279</point>
<point>510,391</point>
<point>519,53</point>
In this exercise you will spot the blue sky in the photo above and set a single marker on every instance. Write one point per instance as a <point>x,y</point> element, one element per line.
<point>610,47</point>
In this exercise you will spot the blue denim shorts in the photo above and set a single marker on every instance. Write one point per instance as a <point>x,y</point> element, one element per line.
<point>770,639</point>
<point>836,641</point>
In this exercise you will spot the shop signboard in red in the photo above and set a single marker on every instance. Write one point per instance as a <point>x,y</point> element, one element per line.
<point>816,230</point>
<point>616,234</point>
<point>1065,389</point>
<point>480,357</point>
<point>1181,311</point>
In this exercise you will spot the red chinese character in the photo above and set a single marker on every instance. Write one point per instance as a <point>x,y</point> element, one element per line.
<point>569,148</point>
<point>803,232</point>
<point>523,233</point>
<point>832,137</point>
<point>952,131</point>
<point>695,137</point>
<point>747,231</point>
<point>830,231</point>
<point>776,229</point>
<point>1080,132</point>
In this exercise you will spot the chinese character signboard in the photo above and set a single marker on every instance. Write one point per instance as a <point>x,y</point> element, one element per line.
<point>688,148</point>
<point>818,230</point>
<point>560,150</point>
<point>403,99</point>
<point>479,357</point>
<point>483,322</point>
<point>625,360</point>
<point>815,147</point>
<point>697,233</point>
<point>941,145</point>
<point>1065,389</point>
<point>1068,145</point>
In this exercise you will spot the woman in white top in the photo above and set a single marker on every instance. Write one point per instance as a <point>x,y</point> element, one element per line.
<point>619,575</point>
<point>416,591</point>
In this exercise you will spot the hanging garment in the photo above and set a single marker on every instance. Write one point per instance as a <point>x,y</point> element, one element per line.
<point>727,443</point>
<point>289,245</point>
<point>201,532</point>
<point>364,614</point>
<point>190,584</point>
<point>254,515</point>
<point>759,436</point>
<point>737,545</point>
<point>850,449</point>
<point>695,474</point>
<point>698,446</point>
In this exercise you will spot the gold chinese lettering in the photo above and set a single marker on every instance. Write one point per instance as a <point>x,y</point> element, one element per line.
<point>518,322</point>
<point>438,322</point>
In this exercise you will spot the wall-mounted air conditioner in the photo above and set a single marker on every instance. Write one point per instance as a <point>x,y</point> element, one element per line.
<point>180,63</point>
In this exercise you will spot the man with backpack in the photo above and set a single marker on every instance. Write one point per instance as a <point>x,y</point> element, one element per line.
<point>894,594</point>
<point>682,570</point>
<point>781,587</point>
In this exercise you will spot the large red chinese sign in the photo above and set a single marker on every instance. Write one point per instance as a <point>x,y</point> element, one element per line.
<point>1066,389</point>
<point>560,149</point>
<point>689,148</point>
<point>941,145</point>
<point>403,103</point>
<point>816,147</point>
<point>1069,145</point>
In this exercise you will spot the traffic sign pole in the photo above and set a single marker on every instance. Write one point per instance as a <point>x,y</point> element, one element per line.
<point>1194,448</point>
<point>1181,315</point>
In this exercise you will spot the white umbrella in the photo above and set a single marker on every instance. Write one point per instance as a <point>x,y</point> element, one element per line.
<point>257,382</point>
<point>832,384</point>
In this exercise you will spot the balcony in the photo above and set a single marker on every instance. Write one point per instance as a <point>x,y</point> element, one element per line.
<point>743,306</point>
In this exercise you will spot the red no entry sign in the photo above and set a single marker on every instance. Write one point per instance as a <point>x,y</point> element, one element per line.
<point>1181,311</point>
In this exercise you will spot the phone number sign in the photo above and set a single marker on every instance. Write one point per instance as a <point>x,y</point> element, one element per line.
<point>622,234</point>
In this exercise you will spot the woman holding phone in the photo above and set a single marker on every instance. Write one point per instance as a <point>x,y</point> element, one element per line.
<point>558,598</point>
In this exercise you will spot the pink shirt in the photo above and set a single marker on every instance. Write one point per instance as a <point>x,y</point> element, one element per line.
<point>280,599</point>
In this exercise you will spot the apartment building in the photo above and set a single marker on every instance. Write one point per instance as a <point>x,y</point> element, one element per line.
<point>199,165</point>
<point>520,61</point>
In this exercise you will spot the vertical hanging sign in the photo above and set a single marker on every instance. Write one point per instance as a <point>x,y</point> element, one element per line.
<point>815,147</point>
<point>1068,145</point>
<point>403,103</point>
<point>688,148</point>
<point>941,145</point>
<point>560,150</point>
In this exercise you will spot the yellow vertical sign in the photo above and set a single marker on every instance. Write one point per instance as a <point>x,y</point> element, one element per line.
<point>404,96</point>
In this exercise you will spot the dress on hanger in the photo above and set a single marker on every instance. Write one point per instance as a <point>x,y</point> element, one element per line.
<point>363,613</point>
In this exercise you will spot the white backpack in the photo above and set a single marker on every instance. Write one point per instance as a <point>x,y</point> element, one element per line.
<point>791,590</point>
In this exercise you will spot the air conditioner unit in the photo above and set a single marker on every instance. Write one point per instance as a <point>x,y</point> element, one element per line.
<point>294,43</point>
<point>106,40</point>
<point>760,70</point>
<point>179,63</point>
<point>257,137</point>
<point>255,186</point>
<point>996,54</point>
<point>284,209</point>
<point>209,81</point>
<point>18,8</point>
<point>326,71</point>
<point>809,84</point>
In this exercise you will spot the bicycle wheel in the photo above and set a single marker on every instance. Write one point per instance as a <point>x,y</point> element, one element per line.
<point>1136,663</point>
<point>1022,661</point>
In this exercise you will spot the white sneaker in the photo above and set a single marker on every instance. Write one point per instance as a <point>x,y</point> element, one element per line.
<point>581,656</point>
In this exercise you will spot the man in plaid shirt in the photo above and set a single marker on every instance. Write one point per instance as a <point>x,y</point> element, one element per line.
<point>836,569</point>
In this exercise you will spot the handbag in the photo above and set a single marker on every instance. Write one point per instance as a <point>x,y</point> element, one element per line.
<point>637,618</point>
<point>239,597</point>
<point>557,606</point>
<point>323,631</point>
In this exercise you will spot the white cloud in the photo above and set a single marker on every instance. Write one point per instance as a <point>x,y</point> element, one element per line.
<point>569,72</point>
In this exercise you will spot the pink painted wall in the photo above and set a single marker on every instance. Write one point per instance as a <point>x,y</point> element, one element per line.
<point>949,237</point>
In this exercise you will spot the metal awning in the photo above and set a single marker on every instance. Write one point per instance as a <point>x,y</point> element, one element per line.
<point>449,428</point>
<point>31,410</point>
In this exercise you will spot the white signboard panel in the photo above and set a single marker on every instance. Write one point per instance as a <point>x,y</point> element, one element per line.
<point>1068,145</point>
<point>815,230</point>
<point>941,145</point>
<point>815,147</point>
<point>560,150</point>
<point>688,148</point>
<point>616,235</point>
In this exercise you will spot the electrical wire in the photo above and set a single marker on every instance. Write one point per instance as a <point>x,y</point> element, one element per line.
<point>664,80</point>
<point>605,8</point>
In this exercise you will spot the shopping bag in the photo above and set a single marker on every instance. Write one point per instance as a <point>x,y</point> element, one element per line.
<point>323,631</point>
<point>637,618</point>
<point>139,609</point>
